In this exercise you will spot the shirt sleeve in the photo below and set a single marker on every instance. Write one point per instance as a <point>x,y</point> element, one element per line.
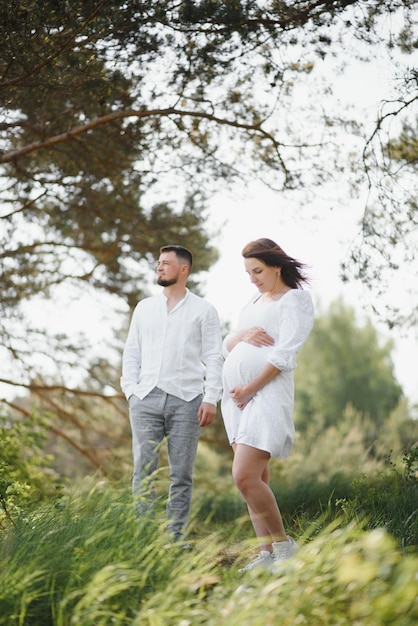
<point>212,356</point>
<point>295,323</point>
<point>131,360</point>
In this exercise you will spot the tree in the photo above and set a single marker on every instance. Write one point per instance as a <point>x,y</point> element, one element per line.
<point>103,101</point>
<point>387,240</point>
<point>118,118</point>
<point>345,364</point>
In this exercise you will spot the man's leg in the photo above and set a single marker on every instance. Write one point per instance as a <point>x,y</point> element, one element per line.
<point>147,423</point>
<point>182,430</point>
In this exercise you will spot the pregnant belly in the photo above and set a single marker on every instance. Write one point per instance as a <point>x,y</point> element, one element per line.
<point>244,362</point>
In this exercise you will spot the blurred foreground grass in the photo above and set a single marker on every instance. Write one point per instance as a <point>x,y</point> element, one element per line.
<point>84,560</point>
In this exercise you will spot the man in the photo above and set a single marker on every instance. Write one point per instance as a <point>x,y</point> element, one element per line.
<point>170,393</point>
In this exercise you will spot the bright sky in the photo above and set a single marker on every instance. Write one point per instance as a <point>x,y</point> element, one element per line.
<point>321,242</point>
<point>319,235</point>
<point>318,240</point>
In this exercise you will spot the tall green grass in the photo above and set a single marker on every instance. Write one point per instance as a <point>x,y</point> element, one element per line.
<point>386,497</point>
<point>85,560</point>
<point>389,499</point>
<point>81,558</point>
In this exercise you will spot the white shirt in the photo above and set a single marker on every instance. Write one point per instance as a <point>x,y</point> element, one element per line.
<point>169,350</point>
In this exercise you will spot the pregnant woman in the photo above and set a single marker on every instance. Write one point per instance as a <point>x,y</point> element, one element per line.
<point>258,397</point>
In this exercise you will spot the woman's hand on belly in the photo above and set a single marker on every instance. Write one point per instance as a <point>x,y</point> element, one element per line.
<point>257,336</point>
<point>241,396</point>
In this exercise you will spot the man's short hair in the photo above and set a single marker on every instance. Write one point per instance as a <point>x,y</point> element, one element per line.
<point>181,253</point>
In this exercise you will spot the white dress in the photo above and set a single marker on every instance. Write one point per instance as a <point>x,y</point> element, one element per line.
<point>266,422</point>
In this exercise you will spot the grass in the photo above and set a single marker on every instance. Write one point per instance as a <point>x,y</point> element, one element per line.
<point>85,560</point>
<point>90,538</point>
<point>81,558</point>
<point>386,497</point>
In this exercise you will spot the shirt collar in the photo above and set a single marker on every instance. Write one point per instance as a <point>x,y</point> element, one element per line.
<point>180,302</point>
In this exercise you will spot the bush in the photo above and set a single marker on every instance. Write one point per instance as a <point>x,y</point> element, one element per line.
<point>26,477</point>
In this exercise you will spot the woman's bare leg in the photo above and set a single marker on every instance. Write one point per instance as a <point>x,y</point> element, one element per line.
<point>250,470</point>
<point>260,528</point>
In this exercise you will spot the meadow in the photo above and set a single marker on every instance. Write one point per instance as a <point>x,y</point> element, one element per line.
<point>81,558</point>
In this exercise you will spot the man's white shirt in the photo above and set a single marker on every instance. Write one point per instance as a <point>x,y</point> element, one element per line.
<point>178,351</point>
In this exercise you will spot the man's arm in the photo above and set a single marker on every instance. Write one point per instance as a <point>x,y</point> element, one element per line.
<point>131,360</point>
<point>213,360</point>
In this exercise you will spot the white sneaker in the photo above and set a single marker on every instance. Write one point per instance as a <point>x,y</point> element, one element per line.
<point>283,550</point>
<point>264,559</point>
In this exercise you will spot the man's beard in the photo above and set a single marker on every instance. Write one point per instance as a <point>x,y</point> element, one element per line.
<point>166,283</point>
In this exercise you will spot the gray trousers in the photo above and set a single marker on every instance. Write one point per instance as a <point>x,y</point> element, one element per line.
<point>157,416</point>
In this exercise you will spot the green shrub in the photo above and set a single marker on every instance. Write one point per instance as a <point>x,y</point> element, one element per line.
<point>26,477</point>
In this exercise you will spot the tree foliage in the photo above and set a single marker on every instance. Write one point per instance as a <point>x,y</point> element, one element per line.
<point>345,364</point>
<point>102,102</point>
<point>26,477</point>
<point>384,255</point>
<point>116,121</point>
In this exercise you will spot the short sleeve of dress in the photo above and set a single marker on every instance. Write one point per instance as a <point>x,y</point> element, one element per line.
<point>296,315</point>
